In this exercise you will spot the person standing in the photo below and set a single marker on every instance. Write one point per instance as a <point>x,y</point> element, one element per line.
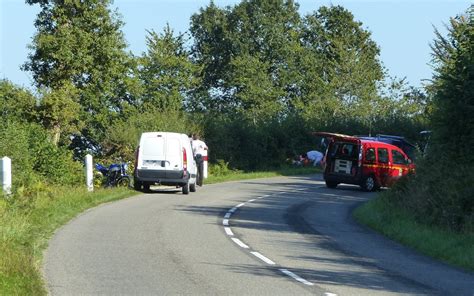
<point>200,154</point>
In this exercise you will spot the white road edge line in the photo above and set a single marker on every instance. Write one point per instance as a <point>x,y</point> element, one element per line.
<point>239,205</point>
<point>227,215</point>
<point>239,242</point>
<point>296,277</point>
<point>263,258</point>
<point>228,231</point>
<point>233,210</point>
<point>225,222</point>
<point>330,294</point>
<point>252,200</point>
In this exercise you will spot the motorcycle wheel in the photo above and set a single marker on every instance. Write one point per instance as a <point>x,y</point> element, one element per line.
<point>123,182</point>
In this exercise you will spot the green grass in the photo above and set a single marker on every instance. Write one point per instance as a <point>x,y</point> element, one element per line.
<point>27,223</point>
<point>453,248</point>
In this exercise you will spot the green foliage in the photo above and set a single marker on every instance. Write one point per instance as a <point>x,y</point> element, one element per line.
<point>16,103</point>
<point>442,191</point>
<point>221,168</point>
<point>454,91</point>
<point>58,111</point>
<point>35,159</point>
<point>396,222</point>
<point>122,136</point>
<point>166,72</point>
<point>79,45</point>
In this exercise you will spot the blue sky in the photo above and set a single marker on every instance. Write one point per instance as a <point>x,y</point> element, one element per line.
<point>403,29</point>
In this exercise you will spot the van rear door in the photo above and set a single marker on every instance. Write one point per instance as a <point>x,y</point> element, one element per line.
<point>152,156</point>
<point>174,157</point>
<point>343,156</point>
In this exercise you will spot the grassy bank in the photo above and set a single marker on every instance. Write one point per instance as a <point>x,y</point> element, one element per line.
<point>453,248</point>
<point>27,223</point>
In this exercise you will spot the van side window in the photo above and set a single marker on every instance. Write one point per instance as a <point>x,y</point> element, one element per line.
<point>398,158</point>
<point>383,155</point>
<point>370,155</point>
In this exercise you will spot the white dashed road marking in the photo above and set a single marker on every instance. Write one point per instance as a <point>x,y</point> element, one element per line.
<point>228,231</point>
<point>298,278</point>
<point>241,244</point>
<point>263,258</point>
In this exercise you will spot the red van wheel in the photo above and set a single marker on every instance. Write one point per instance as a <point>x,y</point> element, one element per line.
<point>330,184</point>
<point>369,184</point>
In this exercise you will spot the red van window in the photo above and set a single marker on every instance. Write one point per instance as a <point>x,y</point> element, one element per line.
<point>383,155</point>
<point>370,155</point>
<point>398,157</point>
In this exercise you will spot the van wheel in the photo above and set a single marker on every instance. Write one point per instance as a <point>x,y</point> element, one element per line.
<point>369,184</point>
<point>137,185</point>
<point>330,184</point>
<point>186,188</point>
<point>146,187</point>
<point>192,187</point>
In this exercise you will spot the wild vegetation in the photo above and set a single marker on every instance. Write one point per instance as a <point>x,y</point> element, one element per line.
<point>442,190</point>
<point>254,79</point>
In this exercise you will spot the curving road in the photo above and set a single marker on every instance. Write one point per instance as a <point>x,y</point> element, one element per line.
<point>278,236</point>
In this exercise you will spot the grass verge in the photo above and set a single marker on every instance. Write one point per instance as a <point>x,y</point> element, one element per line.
<point>27,223</point>
<point>398,224</point>
<point>29,220</point>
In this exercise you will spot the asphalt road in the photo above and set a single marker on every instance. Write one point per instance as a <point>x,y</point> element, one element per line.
<point>278,236</point>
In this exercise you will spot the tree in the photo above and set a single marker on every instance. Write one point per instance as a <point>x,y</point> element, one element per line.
<point>16,103</point>
<point>453,86</point>
<point>351,68</point>
<point>441,191</point>
<point>252,38</point>
<point>79,44</point>
<point>167,74</point>
<point>58,111</point>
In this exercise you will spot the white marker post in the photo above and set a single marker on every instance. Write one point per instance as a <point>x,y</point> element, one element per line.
<point>204,164</point>
<point>89,173</point>
<point>6,174</point>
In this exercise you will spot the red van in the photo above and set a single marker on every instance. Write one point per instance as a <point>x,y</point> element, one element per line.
<point>368,163</point>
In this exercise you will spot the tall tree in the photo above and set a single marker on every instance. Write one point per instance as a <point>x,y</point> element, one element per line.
<point>167,74</point>
<point>351,67</point>
<point>453,86</point>
<point>58,111</point>
<point>16,103</point>
<point>253,38</point>
<point>79,44</point>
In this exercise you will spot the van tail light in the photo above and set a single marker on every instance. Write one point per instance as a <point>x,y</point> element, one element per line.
<point>185,161</point>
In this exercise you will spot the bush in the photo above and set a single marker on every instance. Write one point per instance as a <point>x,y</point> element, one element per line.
<point>439,193</point>
<point>35,159</point>
<point>221,168</point>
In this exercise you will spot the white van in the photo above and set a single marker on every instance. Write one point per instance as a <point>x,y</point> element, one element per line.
<point>164,158</point>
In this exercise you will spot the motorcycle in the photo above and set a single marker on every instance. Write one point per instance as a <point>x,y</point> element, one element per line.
<point>115,175</point>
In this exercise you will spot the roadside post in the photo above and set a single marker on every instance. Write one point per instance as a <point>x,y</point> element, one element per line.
<point>204,164</point>
<point>89,173</point>
<point>6,175</point>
